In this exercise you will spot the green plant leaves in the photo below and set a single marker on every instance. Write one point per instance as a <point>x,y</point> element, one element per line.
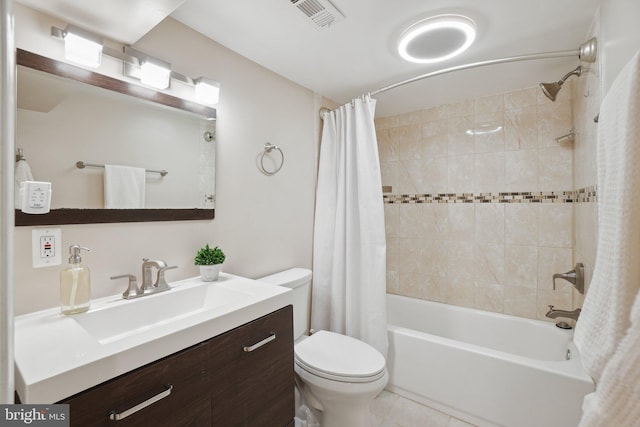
<point>209,256</point>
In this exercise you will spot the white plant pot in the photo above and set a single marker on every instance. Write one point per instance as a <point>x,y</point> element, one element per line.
<point>209,273</point>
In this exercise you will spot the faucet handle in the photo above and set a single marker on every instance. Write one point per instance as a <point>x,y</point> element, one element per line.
<point>161,282</point>
<point>133,291</point>
<point>575,277</point>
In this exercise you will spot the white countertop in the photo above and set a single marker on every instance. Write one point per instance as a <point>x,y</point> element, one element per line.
<point>57,356</point>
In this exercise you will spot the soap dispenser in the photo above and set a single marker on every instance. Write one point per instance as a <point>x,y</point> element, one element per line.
<point>75,284</point>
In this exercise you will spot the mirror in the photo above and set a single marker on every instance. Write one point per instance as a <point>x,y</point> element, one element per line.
<point>68,115</point>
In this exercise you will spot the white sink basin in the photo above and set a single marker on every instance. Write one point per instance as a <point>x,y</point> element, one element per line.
<point>121,319</point>
<point>57,356</point>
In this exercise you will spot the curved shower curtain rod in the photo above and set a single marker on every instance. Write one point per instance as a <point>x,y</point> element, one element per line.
<point>586,53</point>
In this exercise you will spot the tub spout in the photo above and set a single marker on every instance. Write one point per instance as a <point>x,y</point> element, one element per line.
<point>552,313</point>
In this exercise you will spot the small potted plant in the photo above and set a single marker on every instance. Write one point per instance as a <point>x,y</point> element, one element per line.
<point>210,261</point>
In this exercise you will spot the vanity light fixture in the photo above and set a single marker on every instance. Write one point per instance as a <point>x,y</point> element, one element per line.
<point>82,47</point>
<point>207,90</point>
<point>149,70</point>
<point>436,38</point>
<point>154,74</point>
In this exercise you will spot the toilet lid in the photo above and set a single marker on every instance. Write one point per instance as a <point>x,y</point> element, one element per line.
<point>339,357</point>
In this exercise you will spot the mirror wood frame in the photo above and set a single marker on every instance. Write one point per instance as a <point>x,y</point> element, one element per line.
<point>98,216</point>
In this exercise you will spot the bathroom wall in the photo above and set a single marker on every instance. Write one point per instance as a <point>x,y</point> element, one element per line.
<point>618,40</point>
<point>619,37</point>
<point>263,223</point>
<point>585,106</point>
<point>480,211</point>
<point>499,257</point>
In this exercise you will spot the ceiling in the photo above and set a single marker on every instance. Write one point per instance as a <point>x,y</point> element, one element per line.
<point>124,21</point>
<point>357,55</point>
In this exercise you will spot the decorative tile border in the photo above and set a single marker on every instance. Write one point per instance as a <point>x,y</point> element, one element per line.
<point>587,194</point>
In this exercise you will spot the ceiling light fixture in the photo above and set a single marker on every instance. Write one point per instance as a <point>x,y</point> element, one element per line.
<point>437,38</point>
<point>82,47</point>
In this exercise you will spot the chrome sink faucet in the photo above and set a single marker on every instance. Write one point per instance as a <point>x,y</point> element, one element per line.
<point>148,286</point>
<point>553,313</point>
<point>147,272</point>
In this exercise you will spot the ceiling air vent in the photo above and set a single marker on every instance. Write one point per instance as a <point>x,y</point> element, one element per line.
<point>321,13</point>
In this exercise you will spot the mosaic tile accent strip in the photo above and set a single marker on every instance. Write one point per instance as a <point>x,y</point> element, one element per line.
<point>587,194</point>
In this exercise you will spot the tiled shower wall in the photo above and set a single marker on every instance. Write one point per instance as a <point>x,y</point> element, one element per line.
<point>479,213</point>
<point>585,106</point>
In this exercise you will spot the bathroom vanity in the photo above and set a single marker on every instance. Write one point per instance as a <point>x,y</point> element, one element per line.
<point>225,357</point>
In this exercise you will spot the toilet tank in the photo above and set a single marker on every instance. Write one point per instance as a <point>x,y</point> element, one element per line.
<point>299,280</point>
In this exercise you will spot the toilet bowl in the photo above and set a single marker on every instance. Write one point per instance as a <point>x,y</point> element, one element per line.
<point>340,375</point>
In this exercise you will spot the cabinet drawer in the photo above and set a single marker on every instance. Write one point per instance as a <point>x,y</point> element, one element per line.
<point>187,403</point>
<point>252,375</point>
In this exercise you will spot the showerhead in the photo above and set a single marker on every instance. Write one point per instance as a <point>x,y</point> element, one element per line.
<point>551,90</point>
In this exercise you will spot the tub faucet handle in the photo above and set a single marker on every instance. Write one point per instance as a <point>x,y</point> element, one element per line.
<point>575,276</point>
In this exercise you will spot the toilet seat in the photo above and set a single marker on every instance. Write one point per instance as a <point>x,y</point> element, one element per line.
<point>339,358</point>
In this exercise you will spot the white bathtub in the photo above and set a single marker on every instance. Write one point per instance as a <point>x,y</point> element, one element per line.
<point>487,369</point>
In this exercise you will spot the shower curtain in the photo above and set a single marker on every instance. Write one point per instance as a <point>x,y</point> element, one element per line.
<point>349,249</point>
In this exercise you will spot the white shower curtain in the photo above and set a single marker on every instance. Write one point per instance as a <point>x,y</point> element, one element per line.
<point>349,250</point>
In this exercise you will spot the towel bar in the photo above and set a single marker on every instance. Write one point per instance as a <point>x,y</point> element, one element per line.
<point>81,165</point>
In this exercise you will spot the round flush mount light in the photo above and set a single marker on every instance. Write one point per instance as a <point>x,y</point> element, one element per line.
<point>437,38</point>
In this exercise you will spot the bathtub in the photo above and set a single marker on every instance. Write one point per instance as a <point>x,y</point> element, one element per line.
<point>485,368</point>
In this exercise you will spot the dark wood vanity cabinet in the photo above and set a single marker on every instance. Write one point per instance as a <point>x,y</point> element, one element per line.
<point>252,372</point>
<point>243,377</point>
<point>187,404</point>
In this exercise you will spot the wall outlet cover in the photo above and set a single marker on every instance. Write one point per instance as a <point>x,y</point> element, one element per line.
<point>46,247</point>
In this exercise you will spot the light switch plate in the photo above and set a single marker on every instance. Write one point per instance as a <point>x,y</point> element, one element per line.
<point>46,247</point>
<point>36,197</point>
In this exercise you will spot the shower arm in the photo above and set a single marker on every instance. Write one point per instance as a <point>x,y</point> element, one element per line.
<point>576,72</point>
<point>586,53</point>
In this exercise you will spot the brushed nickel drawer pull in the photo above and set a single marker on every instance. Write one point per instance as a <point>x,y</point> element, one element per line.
<point>260,343</point>
<point>117,416</point>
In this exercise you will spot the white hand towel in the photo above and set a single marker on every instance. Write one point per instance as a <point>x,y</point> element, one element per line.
<point>22,174</point>
<point>605,316</point>
<point>124,187</point>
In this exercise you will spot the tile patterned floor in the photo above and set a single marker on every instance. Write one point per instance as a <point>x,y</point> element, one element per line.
<point>391,410</point>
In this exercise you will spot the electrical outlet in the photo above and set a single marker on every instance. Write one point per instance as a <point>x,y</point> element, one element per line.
<point>46,247</point>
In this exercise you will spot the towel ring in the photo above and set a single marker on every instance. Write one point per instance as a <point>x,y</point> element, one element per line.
<point>268,147</point>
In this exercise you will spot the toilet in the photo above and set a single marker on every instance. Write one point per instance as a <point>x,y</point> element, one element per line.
<point>341,375</point>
